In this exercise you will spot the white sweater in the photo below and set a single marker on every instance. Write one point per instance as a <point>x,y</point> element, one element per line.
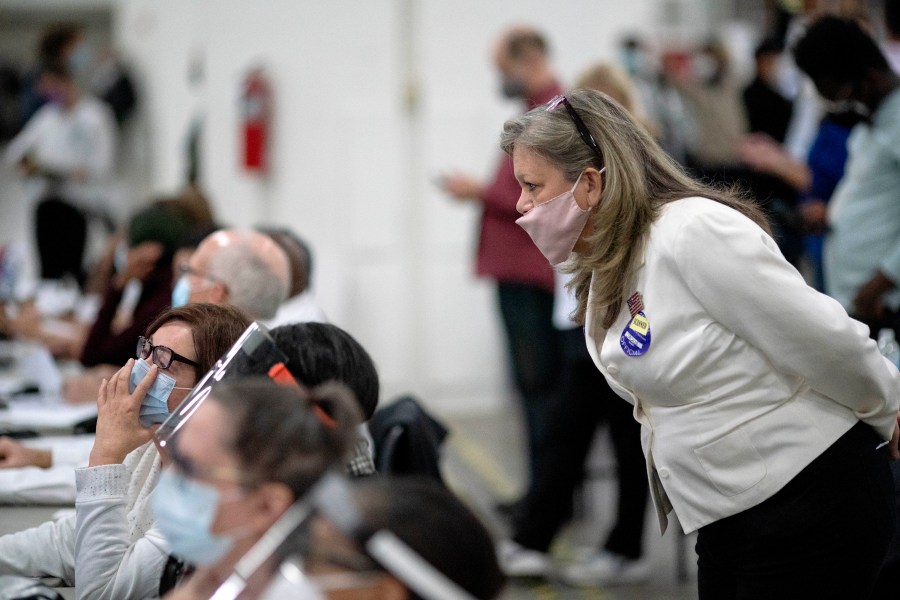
<point>109,550</point>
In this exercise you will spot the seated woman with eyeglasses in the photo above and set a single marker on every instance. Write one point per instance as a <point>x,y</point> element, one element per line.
<point>398,538</point>
<point>110,548</point>
<point>241,459</point>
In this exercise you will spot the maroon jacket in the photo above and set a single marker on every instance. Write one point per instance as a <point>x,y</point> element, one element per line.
<point>102,346</point>
<point>505,252</point>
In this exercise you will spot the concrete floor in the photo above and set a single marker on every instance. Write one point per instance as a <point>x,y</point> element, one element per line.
<point>484,464</point>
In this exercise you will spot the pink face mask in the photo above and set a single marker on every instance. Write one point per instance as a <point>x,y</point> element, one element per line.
<point>556,225</point>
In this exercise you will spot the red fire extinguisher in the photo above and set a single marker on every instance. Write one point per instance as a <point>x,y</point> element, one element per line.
<point>256,109</point>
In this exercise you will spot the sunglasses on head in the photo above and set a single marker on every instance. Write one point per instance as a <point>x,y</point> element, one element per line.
<point>583,131</point>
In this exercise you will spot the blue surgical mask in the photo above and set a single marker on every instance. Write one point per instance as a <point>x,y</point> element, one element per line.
<point>182,292</point>
<point>120,260</point>
<point>155,405</point>
<point>184,510</point>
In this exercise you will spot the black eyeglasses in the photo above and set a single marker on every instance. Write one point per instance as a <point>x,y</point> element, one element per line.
<point>162,355</point>
<point>583,131</point>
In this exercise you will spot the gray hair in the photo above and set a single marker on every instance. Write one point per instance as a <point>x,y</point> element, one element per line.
<point>252,284</point>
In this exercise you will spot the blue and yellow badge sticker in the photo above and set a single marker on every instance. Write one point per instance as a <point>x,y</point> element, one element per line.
<point>635,339</point>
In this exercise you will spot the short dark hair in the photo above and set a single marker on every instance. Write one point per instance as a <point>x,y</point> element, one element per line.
<point>55,39</point>
<point>838,49</point>
<point>320,352</point>
<point>768,47</point>
<point>158,222</point>
<point>214,329</point>
<point>428,518</point>
<point>279,436</point>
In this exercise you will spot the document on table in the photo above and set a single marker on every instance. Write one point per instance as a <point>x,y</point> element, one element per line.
<point>44,413</point>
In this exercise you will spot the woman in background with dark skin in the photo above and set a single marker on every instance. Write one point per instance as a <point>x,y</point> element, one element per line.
<point>762,404</point>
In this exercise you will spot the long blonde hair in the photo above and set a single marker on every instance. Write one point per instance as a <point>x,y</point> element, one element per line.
<point>640,177</point>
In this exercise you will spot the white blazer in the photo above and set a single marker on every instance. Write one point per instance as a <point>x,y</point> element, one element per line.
<point>748,374</point>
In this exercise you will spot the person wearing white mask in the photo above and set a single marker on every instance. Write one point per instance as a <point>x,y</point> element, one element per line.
<point>111,549</point>
<point>758,397</point>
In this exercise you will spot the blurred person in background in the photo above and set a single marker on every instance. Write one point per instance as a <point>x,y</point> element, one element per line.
<point>862,248</point>
<point>141,286</point>
<point>712,94</point>
<point>584,401</point>
<point>665,109</point>
<point>66,153</point>
<point>506,255</point>
<point>768,110</point>
<point>769,114</point>
<point>110,548</point>
<point>301,305</point>
<point>241,267</point>
<point>891,44</point>
<point>862,254</point>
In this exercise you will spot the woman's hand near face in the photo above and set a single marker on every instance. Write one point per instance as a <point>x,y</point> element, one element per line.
<point>119,430</point>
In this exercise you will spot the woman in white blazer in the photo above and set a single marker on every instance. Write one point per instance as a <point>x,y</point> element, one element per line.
<point>762,403</point>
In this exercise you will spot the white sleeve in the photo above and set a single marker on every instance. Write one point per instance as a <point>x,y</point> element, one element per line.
<point>108,566</point>
<point>33,485</point>
<point>99,162</point>
<point>67,450</point>
<point>43,551</point>
<point>740,277</point>
<point>23,143</point>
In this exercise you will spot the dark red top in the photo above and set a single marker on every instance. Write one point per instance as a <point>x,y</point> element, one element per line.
<point>505,252</point>
<point>104,347</point>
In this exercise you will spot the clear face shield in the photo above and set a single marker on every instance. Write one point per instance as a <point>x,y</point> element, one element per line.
<point>332,498</point>
<point>254,353</point>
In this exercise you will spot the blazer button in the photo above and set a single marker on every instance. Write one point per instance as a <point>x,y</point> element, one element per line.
<point>612,369</point>
<point>663,472</point>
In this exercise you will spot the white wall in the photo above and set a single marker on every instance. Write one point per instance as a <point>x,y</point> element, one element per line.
<point>372,100</point>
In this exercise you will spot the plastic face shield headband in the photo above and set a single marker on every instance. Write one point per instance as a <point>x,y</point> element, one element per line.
<point>254,353</point>
<point>335,501</point>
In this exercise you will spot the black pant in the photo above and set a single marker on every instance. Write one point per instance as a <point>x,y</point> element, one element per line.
<point>527,312</point>
<point>823,535</point>
<point>61,236</point>
<point>585,401</point>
